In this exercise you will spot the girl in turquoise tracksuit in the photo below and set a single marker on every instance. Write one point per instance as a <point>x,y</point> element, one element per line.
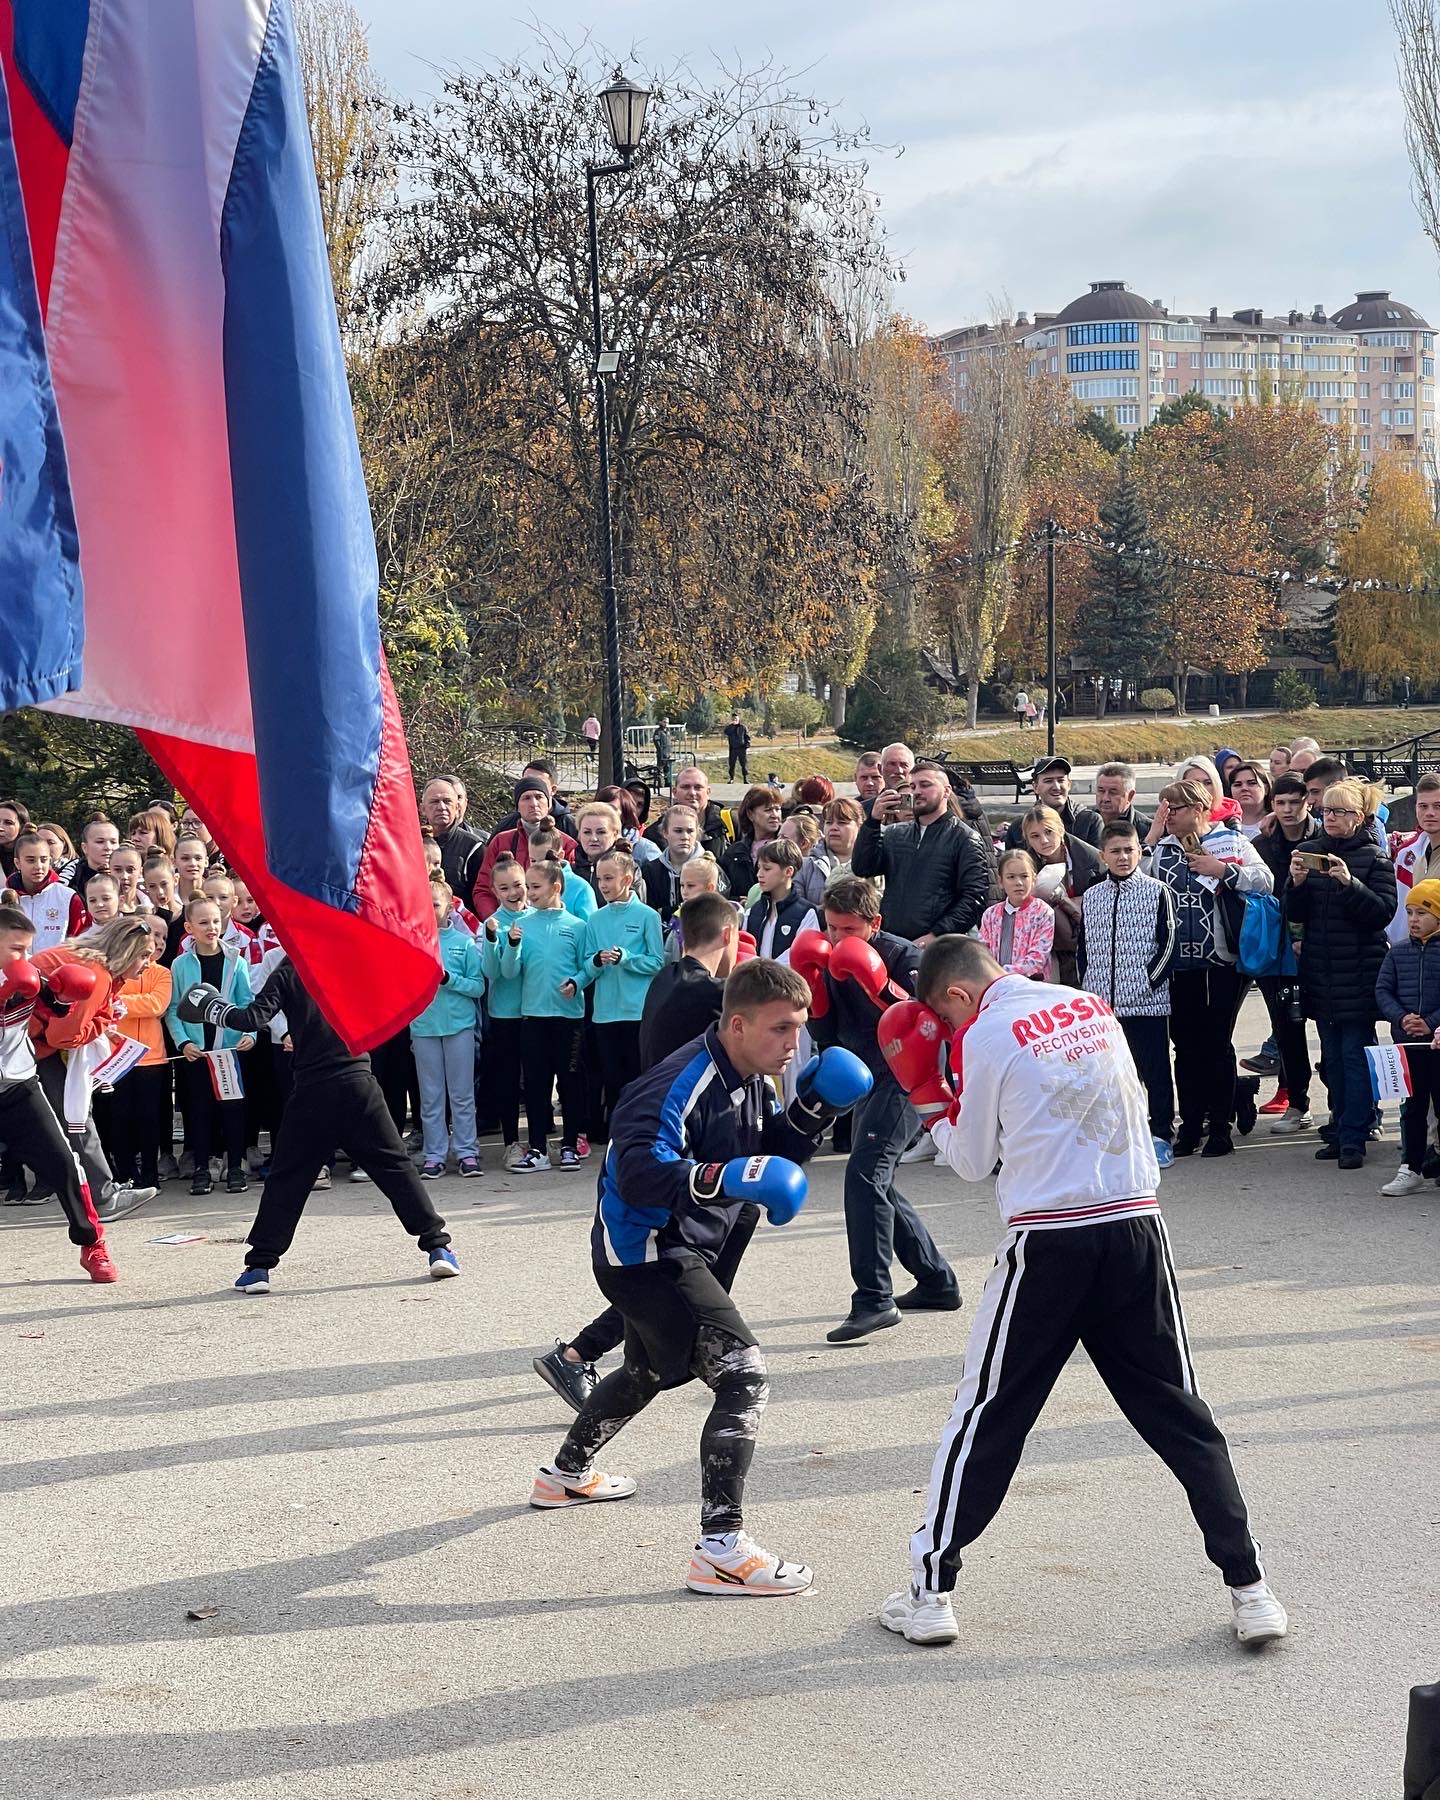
<point>443,1038</point>
<point>502,1044</point>
<point>210,1122</point>
<point>548,958</point>
<point>624,950</point>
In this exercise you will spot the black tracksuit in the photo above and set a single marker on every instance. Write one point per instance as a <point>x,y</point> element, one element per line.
<point>336,1100</point>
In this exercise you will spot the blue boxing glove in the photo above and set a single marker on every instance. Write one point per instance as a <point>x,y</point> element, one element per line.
<point>830,1084</point>
<point>769,1181</point>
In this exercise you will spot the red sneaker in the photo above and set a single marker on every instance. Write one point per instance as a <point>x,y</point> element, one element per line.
<point>1280,1104</point>
<point>95,1261</point>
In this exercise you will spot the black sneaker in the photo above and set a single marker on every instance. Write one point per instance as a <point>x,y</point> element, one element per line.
<point>862,1325</point>
<point>1328,1153</point>
<point>930,1299</point>
<point>1246,1113</point>
<point>236,1182</point>
<point>1430,1168</point>
<point>200,1183</point>
<point>1187,1143</point>
<point>572,1381</point>
<point>1261,1065</point>
<point>1219,1145</point>
<point>1352,1157</point>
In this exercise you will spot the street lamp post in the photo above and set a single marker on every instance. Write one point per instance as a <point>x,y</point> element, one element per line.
<point>624,105</point>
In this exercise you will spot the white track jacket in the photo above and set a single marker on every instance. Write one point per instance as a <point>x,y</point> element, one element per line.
<point>1051,1093</point>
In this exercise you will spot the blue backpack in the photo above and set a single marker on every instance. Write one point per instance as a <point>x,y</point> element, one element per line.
<point>1264,945</point>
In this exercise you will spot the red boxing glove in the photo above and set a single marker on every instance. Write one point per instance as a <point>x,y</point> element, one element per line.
<point>910,1038</point>
<point>810,956</point>
<point>19,985</point>
<point>855,960</point>
<point>69,983</point>
<point>745,947</point>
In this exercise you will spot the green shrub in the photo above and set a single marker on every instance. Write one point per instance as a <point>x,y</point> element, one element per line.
<point>1293,693</point>
<point>798,712</point>
<point>1158,700</point>
<point>891,702</point>
<point>702,715</point>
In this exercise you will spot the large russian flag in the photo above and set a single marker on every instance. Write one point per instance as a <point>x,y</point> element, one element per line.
<point>225,538</point>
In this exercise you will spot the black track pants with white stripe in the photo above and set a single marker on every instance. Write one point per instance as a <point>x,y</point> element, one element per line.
<point>1112,1288</point>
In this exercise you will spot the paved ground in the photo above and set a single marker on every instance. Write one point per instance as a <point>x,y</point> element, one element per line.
<point>341,1471</point>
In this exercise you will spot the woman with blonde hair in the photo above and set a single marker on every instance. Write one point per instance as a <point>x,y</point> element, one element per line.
<point>1343,910</point>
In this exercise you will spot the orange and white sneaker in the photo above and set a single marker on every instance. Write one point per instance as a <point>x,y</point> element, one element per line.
<point>553,1487</point>
<point>95,1261</point>
<point>744,1568</point>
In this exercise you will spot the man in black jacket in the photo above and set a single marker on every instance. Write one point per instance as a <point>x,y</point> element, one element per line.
<point>460,848</point>
<point>336,1100</point>
<point>934,867</point>
<point>692,788</point>
<point>737,745</point>
<point>855,971</point>
<point>1050,778</point>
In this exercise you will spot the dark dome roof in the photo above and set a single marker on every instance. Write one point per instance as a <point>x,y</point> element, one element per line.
<point>1376,311</point>
<point>1107,300</point>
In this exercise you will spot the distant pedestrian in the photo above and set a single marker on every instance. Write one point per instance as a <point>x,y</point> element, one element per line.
<point>1022,708</point>
<point>737,744</point>
<point>664,754</point>
<point>590,731</point>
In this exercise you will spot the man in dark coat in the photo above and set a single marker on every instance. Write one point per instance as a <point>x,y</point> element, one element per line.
<point>936,876</point>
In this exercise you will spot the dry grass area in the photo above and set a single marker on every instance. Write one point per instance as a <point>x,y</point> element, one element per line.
<point>1126,739</point>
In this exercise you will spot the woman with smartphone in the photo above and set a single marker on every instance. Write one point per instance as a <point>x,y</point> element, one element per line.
<point>1199,860</point>
<point>1342,893</point>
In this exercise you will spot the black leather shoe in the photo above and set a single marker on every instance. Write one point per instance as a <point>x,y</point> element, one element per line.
<point>931,1299</point>
<point>1220,1145</point>
<point>1328,1153</point>
<point>1187,1143</point>
<point>572,1381</point>
<point>1352,1158</point>
<point>1246,1114</point>
<point>860,1325</point>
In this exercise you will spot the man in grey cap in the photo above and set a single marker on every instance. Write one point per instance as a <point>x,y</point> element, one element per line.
<point>1050,779</point>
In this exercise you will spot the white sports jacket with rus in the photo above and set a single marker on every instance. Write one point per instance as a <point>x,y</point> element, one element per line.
<point>1127,944</point>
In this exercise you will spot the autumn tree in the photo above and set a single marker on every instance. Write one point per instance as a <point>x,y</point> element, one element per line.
<point>745,534</point>
<point>345,104</point>
<point>1396,541</point>
<point>985,486</point>
<point>1212,620</point>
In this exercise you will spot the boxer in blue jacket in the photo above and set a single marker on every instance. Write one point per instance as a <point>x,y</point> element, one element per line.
<point>697,1145</point>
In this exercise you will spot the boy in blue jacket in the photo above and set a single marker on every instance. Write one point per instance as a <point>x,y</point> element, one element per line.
<point>443,1037</point>
<point>1407,992</point>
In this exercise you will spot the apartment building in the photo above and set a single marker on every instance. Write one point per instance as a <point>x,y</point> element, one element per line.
<point>1370,366</point>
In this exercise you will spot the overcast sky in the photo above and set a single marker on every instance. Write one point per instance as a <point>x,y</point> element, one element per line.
<point>1220,153</point>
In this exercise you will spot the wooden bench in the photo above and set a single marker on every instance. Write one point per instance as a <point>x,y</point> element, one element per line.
<point>988,774</point>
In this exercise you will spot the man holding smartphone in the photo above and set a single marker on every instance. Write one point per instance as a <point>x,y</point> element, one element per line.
<point>936,876</point>
<point>1295,826</point>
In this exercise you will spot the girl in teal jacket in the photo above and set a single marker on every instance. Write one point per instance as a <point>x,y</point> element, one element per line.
<point>443,1038</point>
<point>502,1000</point>
<point>624,951</point>
<point>552,1013</point>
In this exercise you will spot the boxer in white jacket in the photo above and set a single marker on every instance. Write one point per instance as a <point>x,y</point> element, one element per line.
<point>1051,1093</point>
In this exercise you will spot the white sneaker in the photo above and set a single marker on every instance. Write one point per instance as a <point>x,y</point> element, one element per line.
<point>1259,1616</point>
<point>920,1618</point>
<point>1405,1180</point>
<point>358,1175</point>
<point>553,1489</point>
<point>924,1151</point>
<point>531,1162</point>
<point>510,1155</point>
<point>1290,1122</point>
<point>744,1569</point>
<point>322,1180</point>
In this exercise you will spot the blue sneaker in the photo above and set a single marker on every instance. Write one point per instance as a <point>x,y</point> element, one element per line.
<point>1164,1155</point>
<point>443,1264</point>
<point>253,1281</point>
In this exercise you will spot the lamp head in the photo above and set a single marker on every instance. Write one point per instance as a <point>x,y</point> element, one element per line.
<point>625,106</point>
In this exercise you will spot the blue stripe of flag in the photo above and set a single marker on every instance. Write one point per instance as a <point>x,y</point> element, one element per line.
<point>42,631</point>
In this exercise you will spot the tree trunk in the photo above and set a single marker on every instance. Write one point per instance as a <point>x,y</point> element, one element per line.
<point>1102,695</point>
<point>1242,689</point>
<point>1181,675</point>
<point>972,702</point>
<point>837,703</point>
